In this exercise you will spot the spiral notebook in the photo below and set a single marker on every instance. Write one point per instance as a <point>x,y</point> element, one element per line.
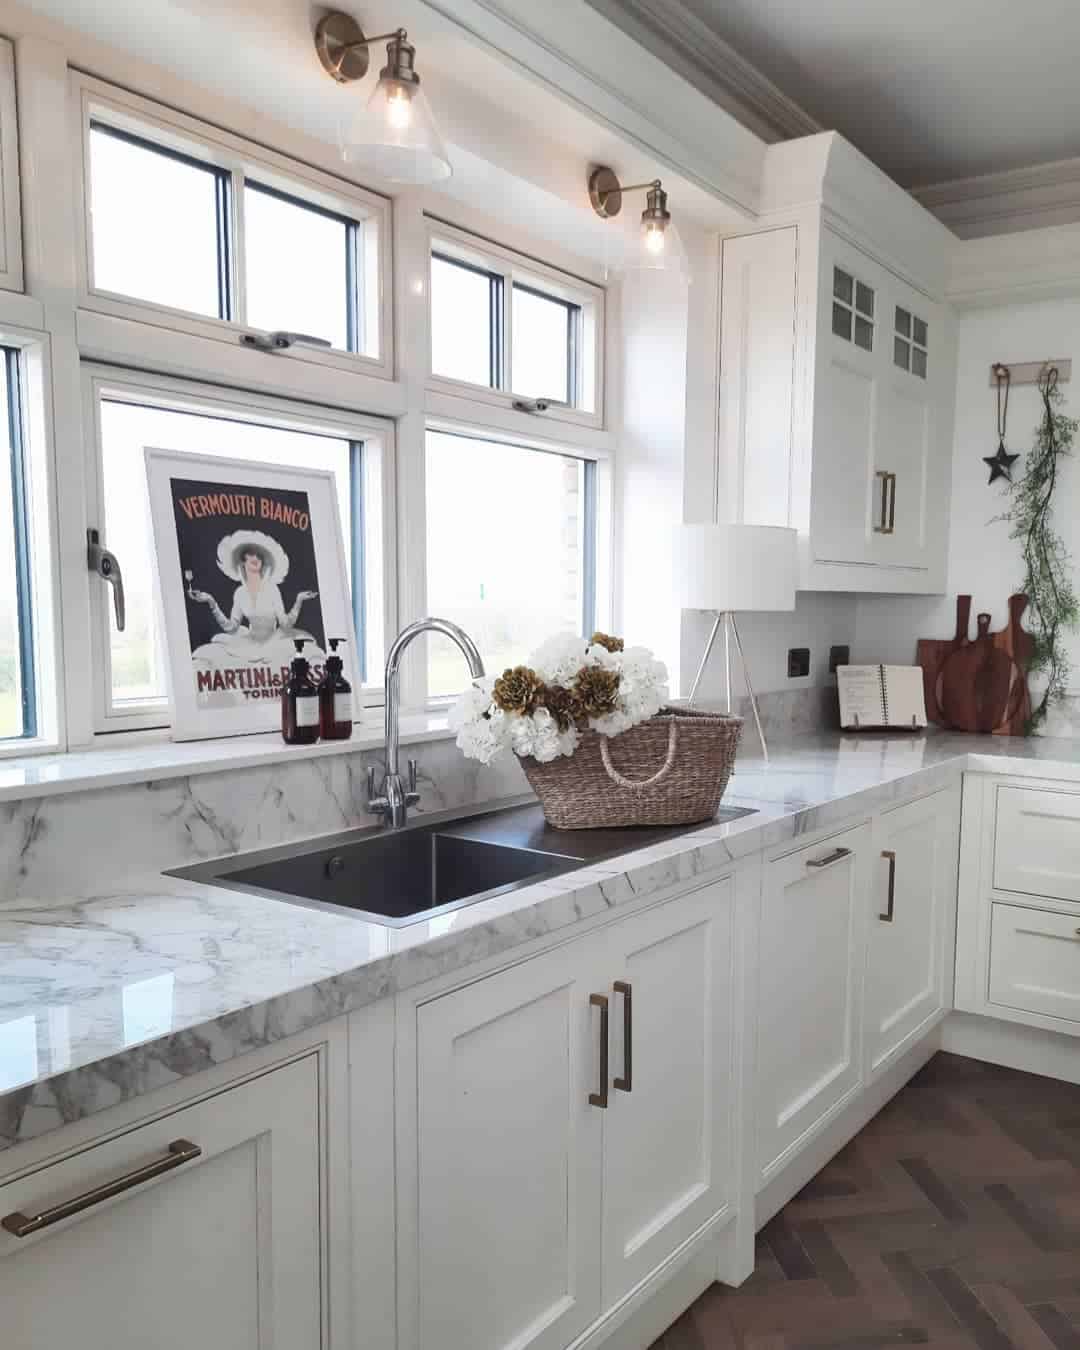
<point>876,697</point>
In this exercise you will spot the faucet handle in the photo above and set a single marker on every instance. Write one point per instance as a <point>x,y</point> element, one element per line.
<point>375,803</point>
<point>414,796</point>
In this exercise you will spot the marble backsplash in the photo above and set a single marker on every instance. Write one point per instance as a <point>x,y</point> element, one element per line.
<point>52,846</point>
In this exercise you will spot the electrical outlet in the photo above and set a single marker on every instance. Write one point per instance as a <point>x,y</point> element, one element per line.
<point>838,656</point>
<point>798,662</point>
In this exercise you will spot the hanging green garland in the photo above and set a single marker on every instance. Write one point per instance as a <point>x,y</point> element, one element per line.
<point>1053,606</point>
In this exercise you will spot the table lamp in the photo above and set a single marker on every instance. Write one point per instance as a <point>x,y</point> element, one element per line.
<point>725,568</point>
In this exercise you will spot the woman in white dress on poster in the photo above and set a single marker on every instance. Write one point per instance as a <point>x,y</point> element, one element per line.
<point>258,631</point>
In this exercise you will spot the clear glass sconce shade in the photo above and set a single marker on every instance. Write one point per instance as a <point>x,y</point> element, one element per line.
<point>396,137</point>
<point>657,250</point>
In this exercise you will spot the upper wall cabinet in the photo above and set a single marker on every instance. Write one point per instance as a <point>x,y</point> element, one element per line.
<point>11,271</point>
<point>836,388</point>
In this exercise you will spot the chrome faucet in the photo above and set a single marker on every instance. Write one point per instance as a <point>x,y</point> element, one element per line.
<point>394,799</point>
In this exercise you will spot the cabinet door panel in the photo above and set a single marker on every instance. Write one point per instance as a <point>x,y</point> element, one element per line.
<point>905,974</point>
<point>1035,962</point>
<point>845,423</point>
<point>509,1159</point>
<point>223,1251</point>
<point>1037,842</point>
<point>902,449</point>
<point>809,986</point>
<point>667,1142</point>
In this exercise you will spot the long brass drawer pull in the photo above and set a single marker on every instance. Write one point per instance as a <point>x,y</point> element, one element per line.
<point>829,858</point>
<point>626,1082</point>
<point>600,1098</point>
<point>887,917</point>
<point>21,1225</point>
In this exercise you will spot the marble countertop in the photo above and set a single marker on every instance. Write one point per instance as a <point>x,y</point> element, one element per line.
<point>107,996</point>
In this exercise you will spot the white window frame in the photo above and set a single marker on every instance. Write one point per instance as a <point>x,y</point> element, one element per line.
<point>95,100</point>
<point>513,266</point>
<point>169,392</point>
<point>11,268</point>
<point>35,377</point>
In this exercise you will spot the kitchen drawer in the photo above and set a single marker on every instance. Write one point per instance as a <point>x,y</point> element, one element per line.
<point>1037,842</point>
<point>200,1228</point>
<point>1035,962</point>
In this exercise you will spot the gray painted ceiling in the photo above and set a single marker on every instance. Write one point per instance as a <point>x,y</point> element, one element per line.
<point>931,90</point>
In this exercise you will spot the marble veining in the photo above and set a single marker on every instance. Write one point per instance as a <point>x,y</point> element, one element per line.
<point>115,980</point>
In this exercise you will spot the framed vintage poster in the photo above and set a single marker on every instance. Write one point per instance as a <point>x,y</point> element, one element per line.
<point>250,559</point>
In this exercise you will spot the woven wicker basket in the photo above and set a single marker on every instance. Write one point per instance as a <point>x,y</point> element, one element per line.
<point>670,770</point>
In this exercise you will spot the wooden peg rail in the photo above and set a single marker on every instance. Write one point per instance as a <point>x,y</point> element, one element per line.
<point>1030,372</point>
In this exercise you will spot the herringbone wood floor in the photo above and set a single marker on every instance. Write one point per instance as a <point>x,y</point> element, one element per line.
<point>952,1221</point>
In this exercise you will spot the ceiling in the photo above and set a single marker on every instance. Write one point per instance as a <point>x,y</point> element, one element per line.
<point>931,90</point>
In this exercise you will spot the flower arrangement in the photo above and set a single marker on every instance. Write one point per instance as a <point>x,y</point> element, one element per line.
<point>571,685</point>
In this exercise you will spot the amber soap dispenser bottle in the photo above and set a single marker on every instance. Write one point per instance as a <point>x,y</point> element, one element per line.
<point>335,698</point>
<point>299,702</point>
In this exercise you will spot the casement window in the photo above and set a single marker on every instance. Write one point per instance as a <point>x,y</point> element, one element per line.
<point>190,228</point>
<point>511,548</point>
<point>128,412</point>
<point>506,329</point>
<point>28,695</point>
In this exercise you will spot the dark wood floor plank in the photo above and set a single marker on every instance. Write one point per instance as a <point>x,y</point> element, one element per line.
<point>951,1221</point>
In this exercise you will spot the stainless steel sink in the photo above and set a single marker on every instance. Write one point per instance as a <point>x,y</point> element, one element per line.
<point>436,864</point>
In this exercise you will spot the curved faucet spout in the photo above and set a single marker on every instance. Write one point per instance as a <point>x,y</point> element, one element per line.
<point>394,801</point>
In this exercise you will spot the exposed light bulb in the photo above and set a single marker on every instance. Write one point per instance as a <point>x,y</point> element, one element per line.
<point>398,109</point>
<point>654,239</point>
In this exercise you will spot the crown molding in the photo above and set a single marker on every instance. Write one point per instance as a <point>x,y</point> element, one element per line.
<point>1004,203</point>
<point>689,46</point>
<point>1022,267</point>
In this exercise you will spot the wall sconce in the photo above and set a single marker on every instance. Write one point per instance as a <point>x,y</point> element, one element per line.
<point>659,247</point>
<point>395,135</point>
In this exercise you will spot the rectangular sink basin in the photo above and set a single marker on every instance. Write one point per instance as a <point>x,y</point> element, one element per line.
<point>432,866</point>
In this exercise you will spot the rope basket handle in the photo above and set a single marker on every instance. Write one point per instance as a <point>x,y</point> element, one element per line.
<point>658,777</point>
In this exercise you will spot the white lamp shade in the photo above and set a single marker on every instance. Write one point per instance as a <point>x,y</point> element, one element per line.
<point>736,567</point>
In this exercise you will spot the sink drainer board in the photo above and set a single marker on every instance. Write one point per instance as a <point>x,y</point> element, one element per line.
<point>431,866</point>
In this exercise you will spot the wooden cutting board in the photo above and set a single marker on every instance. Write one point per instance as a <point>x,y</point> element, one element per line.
<point>932,653</point>
<point>1020,646</point>
<point>977,683</point>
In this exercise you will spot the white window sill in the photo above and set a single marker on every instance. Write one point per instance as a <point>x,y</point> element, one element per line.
<point>149,761</point>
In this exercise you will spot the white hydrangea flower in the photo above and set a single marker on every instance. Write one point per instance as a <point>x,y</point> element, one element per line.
<point>558,660</point>
<point>473,703</point>
<point>484,737</point>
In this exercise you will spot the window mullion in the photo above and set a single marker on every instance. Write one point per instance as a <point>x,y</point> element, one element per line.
<point>231,235</point>
<point>21,522</point>
<point>506,333</point>
<point>354,300</point>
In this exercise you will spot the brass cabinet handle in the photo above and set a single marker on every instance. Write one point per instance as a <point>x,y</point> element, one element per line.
<point>600,1098</point>
<point>180,1152</point>
<point>887,510</point>
<point>887,917</point>
<point>829,858</point>
<point>625,1083</point>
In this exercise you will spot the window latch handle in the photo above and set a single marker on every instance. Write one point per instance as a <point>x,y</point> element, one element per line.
<point>281,340</point>
<point>106,565</point>
<point>531,405</point>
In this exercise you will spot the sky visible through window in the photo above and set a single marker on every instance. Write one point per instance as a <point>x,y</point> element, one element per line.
<point>504,550</point>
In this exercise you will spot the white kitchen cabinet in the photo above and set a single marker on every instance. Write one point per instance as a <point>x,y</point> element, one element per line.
<point>557,1164</point>
<point>668,1140</point>
<point>809,993</point>
<point>911,916</point>
<point>836,378</point>
<point>1035,962</point>
<point>1037,842</point>
<point>218,1245</point>
<point>509,1157</point>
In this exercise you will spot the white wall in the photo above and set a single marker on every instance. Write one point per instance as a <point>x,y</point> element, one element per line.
<point>983,561</point>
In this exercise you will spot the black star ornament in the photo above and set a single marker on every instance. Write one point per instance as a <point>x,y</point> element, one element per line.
<point>1000,464</point>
